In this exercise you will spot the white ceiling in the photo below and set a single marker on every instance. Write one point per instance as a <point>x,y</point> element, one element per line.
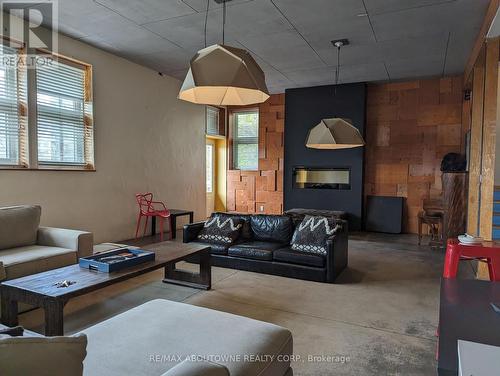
<point>290,39</point>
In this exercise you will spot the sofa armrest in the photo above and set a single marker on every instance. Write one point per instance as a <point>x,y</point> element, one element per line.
<point>3,274</point>
<point>337,252</point>
<point>191,231</point>
<point>200,367</point>
<point>80,241</point>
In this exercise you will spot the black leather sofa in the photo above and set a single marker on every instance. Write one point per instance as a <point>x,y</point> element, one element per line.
<point>264,247</point>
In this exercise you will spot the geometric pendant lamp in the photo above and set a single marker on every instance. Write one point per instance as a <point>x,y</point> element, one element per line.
<point>334,133</point>
<point>222,75</point>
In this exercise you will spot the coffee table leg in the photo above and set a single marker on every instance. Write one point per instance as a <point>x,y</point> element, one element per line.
<point>54,317</point>
<point>201,280</point>
<point>9,309</point>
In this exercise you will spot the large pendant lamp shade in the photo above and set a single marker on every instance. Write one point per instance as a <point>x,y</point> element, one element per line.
<point>334,133</point>
<point>221,75</point>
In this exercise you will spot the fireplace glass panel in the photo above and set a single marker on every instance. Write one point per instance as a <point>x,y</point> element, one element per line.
<point>321,178</point>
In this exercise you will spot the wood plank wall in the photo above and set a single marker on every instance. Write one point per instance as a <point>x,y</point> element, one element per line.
<point>262,191</point>
<point>410,127</point>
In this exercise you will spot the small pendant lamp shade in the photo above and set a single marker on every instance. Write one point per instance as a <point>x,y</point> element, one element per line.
<point>335,133</point>
<point>223,75</point>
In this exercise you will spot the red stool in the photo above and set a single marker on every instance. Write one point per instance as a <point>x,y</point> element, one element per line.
<point>149,208</point>
<point>486,251</point>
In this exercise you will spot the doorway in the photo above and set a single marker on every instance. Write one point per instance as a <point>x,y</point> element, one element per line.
<point>210,176</point>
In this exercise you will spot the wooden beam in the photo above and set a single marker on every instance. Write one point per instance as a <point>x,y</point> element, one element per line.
<point>488,19</point>
<point>489,138</point>
<point>475,151</point>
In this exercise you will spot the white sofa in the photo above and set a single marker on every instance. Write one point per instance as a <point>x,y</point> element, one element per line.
<point>157,337</point>
<point>165,338</point>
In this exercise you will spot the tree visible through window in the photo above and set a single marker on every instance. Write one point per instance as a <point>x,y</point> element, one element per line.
<point>246,140</point>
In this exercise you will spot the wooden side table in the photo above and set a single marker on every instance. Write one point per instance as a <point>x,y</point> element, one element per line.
<point>174,213</point>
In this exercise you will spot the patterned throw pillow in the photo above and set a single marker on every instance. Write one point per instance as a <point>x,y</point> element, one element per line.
<point>221,229</point>
<point>312,233</point>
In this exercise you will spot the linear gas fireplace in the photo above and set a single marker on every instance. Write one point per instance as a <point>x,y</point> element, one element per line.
<point>321,178</point>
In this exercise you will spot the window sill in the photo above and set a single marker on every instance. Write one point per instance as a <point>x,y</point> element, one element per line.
<point>47,168</point>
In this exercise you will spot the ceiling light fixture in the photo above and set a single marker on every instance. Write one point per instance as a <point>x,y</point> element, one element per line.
<point>335,133</point>
<point>223,75</point>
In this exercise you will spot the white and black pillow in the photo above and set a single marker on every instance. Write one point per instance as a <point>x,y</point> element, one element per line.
<point>312,233</point>
<point>221,229</point>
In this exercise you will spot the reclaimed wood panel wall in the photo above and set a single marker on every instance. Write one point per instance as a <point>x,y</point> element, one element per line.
<point>262,191</point>
<point>410,127</point>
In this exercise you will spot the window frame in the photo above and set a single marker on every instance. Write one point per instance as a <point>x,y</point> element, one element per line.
<point>31,138</point>
<point>235,141</point>
<point>22,161</point>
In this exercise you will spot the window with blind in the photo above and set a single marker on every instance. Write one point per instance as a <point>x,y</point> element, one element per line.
<point>246,140</point>
<point>64,132</point>
<point>59,111</point>
<point>212,121</point>
<point>12,110</point>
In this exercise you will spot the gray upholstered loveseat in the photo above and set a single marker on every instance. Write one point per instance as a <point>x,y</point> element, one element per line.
<point>26,248</point>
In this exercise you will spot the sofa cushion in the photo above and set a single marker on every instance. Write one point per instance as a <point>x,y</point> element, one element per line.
<point>220,229</point>
<point>311,234</point>
<point>197,367</point>
<point>42,355</point>
<point>22,261</point>
<point>273,228</point>
<point>288,255</point>
<point>216,249</point>
<point>254,250</point>
<point>165,329</point>
<point>246,229</point>
<point>19,225</point>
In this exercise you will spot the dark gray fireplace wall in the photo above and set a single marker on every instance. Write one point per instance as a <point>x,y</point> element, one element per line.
<point>304,108</point>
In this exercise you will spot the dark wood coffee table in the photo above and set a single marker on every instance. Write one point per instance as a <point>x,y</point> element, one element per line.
<point>39,289</point>
<point>465,313</point>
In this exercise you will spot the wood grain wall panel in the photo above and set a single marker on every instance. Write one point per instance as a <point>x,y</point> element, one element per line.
<point>251,191</point>
<point>410,127</point>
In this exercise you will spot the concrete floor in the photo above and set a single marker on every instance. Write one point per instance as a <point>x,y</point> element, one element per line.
<point>379,319</point>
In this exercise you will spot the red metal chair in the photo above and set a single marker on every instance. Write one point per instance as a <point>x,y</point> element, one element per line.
<point>149,208</point>
<point>487,251</point>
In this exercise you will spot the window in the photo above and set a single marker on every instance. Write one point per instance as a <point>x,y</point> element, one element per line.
<point>246,140</point>
<point>59,113</point>
<point>210,168</point>
<point>12,111</point>
<point>64,131</point>
<point>212,121</point>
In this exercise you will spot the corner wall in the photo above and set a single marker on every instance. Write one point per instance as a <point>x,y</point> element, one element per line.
<point>410,127</point>
<point>145,140</point>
